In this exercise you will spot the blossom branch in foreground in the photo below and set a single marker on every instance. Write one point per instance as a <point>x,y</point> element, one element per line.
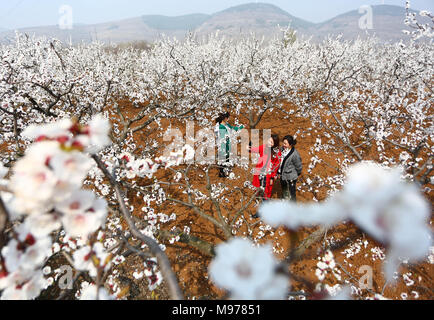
<point>45,190</point>
<point>421,29</point>
<point>248,272</point>
<point>378,201</point>
<point>169,275</point>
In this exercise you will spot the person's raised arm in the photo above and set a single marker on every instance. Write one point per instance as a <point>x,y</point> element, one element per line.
<point>236,128</point>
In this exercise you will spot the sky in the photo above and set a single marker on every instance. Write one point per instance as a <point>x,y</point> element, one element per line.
<point>28,13</point>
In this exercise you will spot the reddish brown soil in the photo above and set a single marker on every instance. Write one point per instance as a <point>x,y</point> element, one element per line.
<point>190,264</point>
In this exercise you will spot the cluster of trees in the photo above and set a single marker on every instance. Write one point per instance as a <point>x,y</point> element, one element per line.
<point>365,101</point>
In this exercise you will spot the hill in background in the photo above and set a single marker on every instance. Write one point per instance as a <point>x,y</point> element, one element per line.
<point>388,23</point>
<point>260,18</point>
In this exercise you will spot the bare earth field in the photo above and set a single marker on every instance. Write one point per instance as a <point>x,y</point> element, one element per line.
<point>351,247</point>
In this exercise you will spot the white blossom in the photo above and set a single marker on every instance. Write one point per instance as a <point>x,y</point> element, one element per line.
<point>242,268</point>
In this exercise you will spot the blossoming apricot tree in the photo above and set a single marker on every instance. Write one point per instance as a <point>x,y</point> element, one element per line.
<point>69,175</point>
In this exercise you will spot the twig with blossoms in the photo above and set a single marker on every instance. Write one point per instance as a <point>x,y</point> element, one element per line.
<point>421,30</point>
<point>162,258</point>
<point>45,189</point>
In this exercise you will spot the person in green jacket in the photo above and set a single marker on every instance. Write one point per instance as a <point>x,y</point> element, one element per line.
<point>223,131</point>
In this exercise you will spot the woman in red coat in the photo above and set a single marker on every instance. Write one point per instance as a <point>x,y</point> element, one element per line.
<point>267,166</point>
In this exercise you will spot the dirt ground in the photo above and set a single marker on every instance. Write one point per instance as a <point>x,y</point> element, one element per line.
<point>351,247</point>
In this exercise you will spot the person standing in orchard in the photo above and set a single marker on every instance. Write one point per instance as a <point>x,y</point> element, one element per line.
<point>223,131</point>
<point>267,166</point>
<point>290,168</point>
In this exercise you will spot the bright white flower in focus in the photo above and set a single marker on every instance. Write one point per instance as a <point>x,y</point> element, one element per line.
<point>145,168</point>
<point>243,269</point>
<point>326,262</point>
<point>130,172</point>
<point>154,280</point>
<point>329,259</point>
<point>126,157</point>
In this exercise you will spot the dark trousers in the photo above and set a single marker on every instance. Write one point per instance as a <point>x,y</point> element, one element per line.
<point>263,181</point>
<point>225,167</point>
<point>289,189</point>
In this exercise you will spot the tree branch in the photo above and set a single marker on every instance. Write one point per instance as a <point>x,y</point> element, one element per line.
<point>163,260</point>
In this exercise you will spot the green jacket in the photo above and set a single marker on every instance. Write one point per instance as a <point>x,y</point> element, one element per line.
<point>223,133</point>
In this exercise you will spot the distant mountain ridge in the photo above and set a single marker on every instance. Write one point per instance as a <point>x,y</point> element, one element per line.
<point>388,24</point>
<point>187,22</point>
<point>263,19</point>
<point>266,7</point>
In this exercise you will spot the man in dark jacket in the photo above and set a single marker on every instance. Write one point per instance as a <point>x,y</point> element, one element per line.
<point>290,168</point>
